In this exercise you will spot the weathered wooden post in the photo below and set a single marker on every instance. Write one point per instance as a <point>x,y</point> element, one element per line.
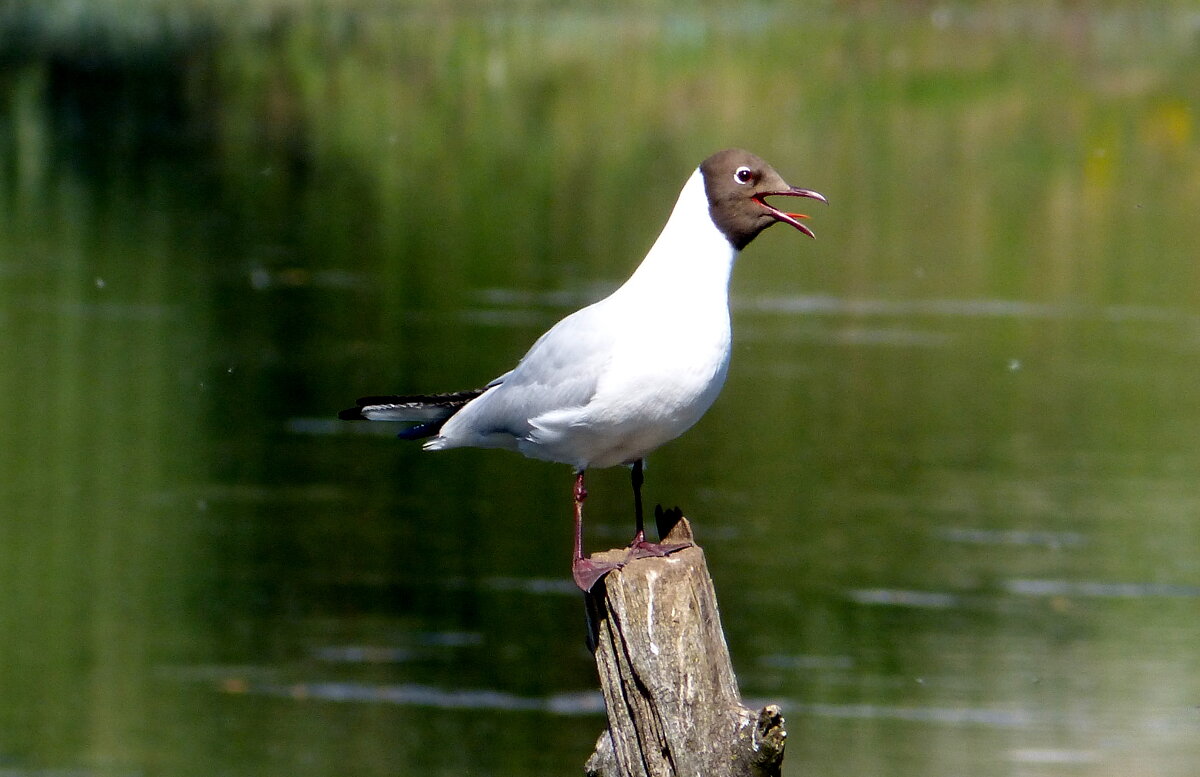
<point>669,689</point>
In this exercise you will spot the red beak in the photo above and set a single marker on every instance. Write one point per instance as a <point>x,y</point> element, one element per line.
<point>791,218</point>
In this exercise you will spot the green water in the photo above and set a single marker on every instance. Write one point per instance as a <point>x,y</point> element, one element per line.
<point>949,494</point>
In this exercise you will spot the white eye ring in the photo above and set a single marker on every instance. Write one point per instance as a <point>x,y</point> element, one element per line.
<point>743,175</point>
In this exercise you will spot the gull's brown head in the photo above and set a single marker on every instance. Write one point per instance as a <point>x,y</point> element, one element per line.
<point>738,184</point>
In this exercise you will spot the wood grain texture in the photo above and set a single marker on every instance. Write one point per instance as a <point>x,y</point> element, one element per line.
<point>669,689</point>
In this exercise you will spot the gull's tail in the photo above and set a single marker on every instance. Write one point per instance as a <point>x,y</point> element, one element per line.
<point>428,411</point>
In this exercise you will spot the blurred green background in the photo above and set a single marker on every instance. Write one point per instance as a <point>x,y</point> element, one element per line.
<point>949,495</point>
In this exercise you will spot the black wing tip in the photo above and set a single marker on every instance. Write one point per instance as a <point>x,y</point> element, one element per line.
<point>356,413</point>
<point>454,399</point>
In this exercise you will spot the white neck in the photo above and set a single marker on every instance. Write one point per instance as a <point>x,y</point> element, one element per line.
<point>691,256</point>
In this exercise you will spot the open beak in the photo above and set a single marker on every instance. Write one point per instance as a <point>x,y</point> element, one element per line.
<point>790,218</point>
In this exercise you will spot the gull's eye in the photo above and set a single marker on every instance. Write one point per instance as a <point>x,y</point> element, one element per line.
<point>743,175</point>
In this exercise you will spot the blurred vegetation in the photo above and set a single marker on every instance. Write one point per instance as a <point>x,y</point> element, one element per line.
<point>426,108</point>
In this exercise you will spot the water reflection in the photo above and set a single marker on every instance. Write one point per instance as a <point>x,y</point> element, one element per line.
<point>948,496</point>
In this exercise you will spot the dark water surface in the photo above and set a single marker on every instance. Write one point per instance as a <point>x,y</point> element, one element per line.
<point>949,495</point>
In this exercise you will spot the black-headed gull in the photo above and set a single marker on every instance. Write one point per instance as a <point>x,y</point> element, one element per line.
<point>611,382</point>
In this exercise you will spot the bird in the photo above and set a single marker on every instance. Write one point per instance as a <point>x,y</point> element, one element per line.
<point>620,377</point>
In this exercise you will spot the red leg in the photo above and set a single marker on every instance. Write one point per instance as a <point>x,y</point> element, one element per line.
<point>586,571</point>
<point>580,495</point>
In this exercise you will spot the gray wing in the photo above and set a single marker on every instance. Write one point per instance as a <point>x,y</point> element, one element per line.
<point>560,371</point>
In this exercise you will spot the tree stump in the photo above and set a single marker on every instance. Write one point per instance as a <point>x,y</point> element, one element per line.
<point>669,689</point>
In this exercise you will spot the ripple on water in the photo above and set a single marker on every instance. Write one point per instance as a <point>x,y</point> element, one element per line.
<point>894,597</point>
<point>1101,590</point>
<point>1047,539</point>
<point>417,695</point>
